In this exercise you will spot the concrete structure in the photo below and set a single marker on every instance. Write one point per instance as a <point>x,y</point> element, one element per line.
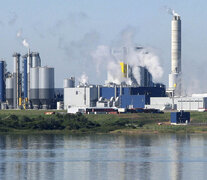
<point>175,76</point>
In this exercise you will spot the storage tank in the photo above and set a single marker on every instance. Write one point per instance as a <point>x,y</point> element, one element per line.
<point>34,87</point>
<point>69,82</point>
<point>46,86</point>
<point>2,81</point>
<point>10,91</point>
<point>36,62</point>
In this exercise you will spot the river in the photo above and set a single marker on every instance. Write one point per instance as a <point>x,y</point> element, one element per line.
<point>156,156</point>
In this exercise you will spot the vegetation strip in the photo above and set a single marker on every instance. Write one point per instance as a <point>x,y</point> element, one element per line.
<point>38,122</point>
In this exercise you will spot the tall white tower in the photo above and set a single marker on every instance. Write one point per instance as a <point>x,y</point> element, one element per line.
<point>175,76</point>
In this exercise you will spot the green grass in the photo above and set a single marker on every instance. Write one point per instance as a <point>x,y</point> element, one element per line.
<point>35,121</point>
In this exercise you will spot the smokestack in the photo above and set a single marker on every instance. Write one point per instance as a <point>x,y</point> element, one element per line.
<point>17,80</point>
<point>175,76</point>
<point>29,65</point>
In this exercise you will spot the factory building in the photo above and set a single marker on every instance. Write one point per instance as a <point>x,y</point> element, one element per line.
<point>178,103</point>
<point>80,96</point>
<point>122,95</point>
<point>106,96</point>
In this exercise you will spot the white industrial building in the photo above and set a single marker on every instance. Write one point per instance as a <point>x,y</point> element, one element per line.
<point>84,96</point>
<point>194,103</point>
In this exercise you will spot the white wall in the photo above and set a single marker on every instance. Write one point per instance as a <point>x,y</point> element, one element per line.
<point>75,96</point>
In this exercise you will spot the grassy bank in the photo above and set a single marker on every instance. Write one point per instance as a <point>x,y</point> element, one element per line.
<point>31,121</point>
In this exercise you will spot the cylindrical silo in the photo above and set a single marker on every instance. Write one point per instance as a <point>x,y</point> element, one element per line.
<point>10,91</point>
<point>46,86</point>
<point>2,81</point>
<point>69,82</point>
<point>36,62</point>
<point>34,87</point>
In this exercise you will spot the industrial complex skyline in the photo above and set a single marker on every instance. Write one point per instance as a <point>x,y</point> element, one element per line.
<point>68,32</point>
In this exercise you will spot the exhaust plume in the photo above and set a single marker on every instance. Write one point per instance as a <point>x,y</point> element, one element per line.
<point>134,57</point>
<point>171,11</point>
<point>83,80</point>
<point>24,41</point>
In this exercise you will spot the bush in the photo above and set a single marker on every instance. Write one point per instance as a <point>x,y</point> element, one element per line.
<point>56,122</point>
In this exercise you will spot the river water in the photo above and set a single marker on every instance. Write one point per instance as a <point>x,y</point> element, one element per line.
<point>162,156</point>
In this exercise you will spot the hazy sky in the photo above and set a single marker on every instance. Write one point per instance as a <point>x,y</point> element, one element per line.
<point>65,32</point>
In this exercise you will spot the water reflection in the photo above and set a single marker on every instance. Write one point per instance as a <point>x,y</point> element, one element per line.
<point>103,156</point>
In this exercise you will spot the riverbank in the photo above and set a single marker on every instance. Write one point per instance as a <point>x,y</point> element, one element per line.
<point>31,121</point>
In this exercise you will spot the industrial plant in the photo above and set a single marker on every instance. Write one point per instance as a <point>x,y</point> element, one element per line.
<point>29,88</point>
<point>130,92</point>
<point>132,86</point>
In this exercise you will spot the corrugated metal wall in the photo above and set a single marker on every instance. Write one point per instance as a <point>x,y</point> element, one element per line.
<point>135,101</point>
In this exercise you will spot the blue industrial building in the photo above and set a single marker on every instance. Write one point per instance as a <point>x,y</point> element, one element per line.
<point>2,82</point>
<point>133,101</point>
<point>136,97</point>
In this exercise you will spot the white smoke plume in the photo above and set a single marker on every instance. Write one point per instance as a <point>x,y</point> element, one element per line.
<point>104,57</point>
<point>24,41</point>
<point>171,11</point>
<point>83,80</point>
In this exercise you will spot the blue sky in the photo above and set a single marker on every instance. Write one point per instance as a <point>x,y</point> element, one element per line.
<point>64,31</point>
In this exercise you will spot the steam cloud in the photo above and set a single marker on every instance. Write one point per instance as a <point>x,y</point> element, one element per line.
<point>83,80</point>
<point>24,41</point>
<point>144,57</point>
<point>171,11</point>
